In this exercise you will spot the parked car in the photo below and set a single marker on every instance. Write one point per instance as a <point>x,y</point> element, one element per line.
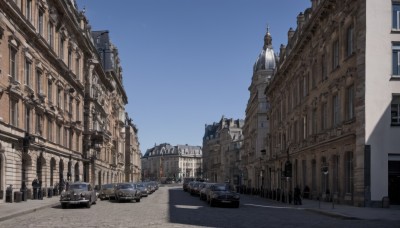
<point>186,183</point>
<point>143,189</point>
<point>205,190</point>
<point>222,193</point>
<point>107,191</point>
<point>78,193</point>
<point>195,190</point>
<point>127,192</point>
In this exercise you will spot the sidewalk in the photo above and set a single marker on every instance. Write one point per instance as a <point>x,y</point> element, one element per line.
<point>342,211</point>
<point>11,210</point>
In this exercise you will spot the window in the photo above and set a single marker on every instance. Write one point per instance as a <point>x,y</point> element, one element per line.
<point>14,113</point>
<point>40,22</point>
<point>348,157</point>
<point>65,101</point>
<point>58,134</point>
<point>335,54</point>
<point>27,119</point>
<point>59,90</point>
<point>395,15</point>
<point>77,142</point>
<point>396,58</point>
<point>69,59</point>
<point>28,69</point>
<point>314,121</point>
<point>350,40</point>
<point>324,122</point>
<point>70,105</point>
<point>335,110</point>
<point>50,130</point>
<point>39,124</point>
<point>350,102</point>
<point>324,72</point>
<point>304,127</point>
<point>50,38</point>
<point>61,49</point>
<point>50,91</point>
<point>13,64</point>
<point>77,70</point>
<point>395,110</point>
<point>39,81</point>
<point>77,115</point>
<point>29,10</point>
<point>66,136</point>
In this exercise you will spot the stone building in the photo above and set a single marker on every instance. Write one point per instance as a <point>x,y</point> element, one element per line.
<point>335,103</point>
<point>174,162</point>
<point>60,115</point>
<point>256,126</point>
<point>105,111</point>
<point>222,148</point>
<point>133,165</point>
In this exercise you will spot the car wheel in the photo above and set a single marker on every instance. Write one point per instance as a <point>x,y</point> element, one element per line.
<point>89,204</point>
<point>63,205</point>
<point>138,200</point>
<point>236,205</point>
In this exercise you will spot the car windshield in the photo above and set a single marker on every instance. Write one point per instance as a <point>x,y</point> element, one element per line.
<point>108,186</point>
<point>78,186</point>
<point>220,188</point>
<point>140,185</point>
<point>125,186</point>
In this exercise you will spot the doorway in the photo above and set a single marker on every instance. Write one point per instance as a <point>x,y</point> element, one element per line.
<point>394,182</point>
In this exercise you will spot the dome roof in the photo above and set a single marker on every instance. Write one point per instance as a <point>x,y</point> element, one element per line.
<point>266,59</point>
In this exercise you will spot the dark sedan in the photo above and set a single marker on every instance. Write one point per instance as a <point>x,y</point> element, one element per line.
<point>223,194</point>
<point>78,193</point>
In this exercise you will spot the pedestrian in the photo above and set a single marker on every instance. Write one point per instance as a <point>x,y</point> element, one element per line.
<point>297,196</point>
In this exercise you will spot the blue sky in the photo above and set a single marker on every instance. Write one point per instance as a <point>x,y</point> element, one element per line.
<point>188,62</point>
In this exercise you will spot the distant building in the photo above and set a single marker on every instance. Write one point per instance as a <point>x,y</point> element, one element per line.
<point>222,145</point>
<point>174,162</point>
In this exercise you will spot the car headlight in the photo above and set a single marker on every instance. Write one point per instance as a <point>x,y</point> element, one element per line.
<point>236,196</point>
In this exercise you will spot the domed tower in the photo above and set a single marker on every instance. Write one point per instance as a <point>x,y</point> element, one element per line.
<point>266,59</point>
<point>256,127</point>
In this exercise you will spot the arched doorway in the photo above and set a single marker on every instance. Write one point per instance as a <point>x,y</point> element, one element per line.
<point>77,171</point>
<point>61,170</point>
<point>52,169</point>
<point>40,163</point>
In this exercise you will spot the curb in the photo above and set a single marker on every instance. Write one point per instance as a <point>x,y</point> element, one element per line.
<point>332,214</point>
<point>28,211</point>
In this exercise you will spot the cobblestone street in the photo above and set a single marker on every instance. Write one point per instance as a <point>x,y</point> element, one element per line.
<point>171,207</point>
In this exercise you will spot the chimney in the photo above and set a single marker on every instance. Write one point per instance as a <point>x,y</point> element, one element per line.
<point>290,34</point>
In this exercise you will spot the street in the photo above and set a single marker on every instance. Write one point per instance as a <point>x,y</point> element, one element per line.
<point>170,206</point>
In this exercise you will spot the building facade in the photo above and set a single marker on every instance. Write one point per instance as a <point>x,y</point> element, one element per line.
<point>222,148</point>
<point>133,165</point>
<point>256,126</point>
<point>335,103</point>
<point>173,162</point>
<point>58,102</point>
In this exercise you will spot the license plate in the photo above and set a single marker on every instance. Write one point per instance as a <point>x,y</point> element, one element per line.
<point>225,201</point>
